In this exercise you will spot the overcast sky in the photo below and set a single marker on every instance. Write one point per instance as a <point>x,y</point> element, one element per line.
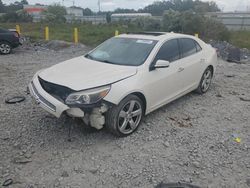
<point>225,5</point>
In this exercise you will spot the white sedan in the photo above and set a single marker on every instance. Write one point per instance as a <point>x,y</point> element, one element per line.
<point>125,78</point>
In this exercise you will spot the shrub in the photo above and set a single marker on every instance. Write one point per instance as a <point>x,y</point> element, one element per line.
<point>215,30</point>
<point>172,21</point>
<point>190,22</point>
<point>55,14</point>
<point>19,16</point>
<point>147,23</point>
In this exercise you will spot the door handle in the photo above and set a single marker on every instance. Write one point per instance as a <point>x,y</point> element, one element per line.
<point>180,69</point>
<point>202,60</point>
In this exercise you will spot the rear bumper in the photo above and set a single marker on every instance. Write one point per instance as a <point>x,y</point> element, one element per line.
<point>16,43</point>
<point>45,100</point>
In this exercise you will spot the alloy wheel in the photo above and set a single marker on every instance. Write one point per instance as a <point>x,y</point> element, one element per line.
<point>207,79</point>
<point>129,117</point>
<point>5,48</point>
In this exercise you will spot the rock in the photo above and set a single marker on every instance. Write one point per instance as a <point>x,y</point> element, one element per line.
<point>218,95</point>
<point>230,76</point>
<point>93,170</point>
<point>166,144</point>
<point>65,174</point>
<point>196,164</point>
<point>6,135</point>
<point>248,182</point>
<point>245,99</point>
<point>21,160</point>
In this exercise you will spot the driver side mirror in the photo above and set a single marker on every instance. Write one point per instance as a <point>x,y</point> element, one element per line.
<point>161,64</point>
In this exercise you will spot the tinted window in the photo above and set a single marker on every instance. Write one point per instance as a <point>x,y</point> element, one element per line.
<point>198,47</point>
<point>188,47</point>
<point>3,30</point>
<point>169,51</point>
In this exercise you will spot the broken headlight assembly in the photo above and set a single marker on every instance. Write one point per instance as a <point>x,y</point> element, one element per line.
<point>90,96</point>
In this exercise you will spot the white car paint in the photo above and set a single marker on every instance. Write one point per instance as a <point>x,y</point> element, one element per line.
<point>81,73</point>
<point>159,86</point>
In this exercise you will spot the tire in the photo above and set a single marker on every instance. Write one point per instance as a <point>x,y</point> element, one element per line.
<point>205,82</point>
<point>5,48</point>
<point>124,119</point>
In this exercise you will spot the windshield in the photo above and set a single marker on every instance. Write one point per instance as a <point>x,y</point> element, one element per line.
<point>123,51</point>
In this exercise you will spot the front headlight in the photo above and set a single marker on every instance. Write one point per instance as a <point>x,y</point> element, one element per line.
<point>90,96</point>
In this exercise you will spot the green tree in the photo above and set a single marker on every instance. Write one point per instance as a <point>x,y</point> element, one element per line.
<point>192,22</point>
<point>24,2</point>
<point>148,23</point>
<point>189,22</point>
<point>87,12</point>
<point>19,16</point>
<point>159,7</point>
<point>1,7</point>
<point>122,10</point>
<point>108,17</point>
<point>172,21</point>
<point>215,30</point>
<point>55,13</point>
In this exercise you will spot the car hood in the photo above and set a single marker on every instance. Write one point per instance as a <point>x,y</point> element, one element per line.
<point>81,73</point>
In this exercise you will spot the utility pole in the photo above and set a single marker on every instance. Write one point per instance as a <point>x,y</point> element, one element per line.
<point>99,5</point>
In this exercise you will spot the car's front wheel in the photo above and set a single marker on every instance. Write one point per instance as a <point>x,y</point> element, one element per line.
<point>206,81</point>
<point>5,48</point>
<point>124,119</point>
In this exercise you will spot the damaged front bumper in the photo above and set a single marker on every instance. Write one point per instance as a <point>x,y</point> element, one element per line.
<point>91,114</point>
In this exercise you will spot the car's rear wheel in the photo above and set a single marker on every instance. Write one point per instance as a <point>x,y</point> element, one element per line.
<point>206,81</point>
<point>5,47</point>
<point>124,119</point>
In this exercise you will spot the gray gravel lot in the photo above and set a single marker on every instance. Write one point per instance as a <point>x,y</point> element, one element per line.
<point>189,140</point>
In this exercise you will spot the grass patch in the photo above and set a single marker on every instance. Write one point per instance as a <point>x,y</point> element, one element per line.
<point>240,39</point>
<point>89,34</point>
<point>93,35</point>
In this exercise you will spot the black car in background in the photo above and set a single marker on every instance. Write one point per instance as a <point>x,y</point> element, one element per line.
<point>8,41</point>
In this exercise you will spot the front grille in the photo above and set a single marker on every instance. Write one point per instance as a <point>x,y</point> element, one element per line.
<point>57,91</point>
<point>42,99</point>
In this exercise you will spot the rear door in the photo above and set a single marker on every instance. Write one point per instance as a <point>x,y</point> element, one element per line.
<point>163,84</point>
<point>191,64</point>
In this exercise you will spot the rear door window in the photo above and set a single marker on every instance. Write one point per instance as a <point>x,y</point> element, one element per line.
<point>198,47</point>
<point>3,31</point>
<point>188,47</point>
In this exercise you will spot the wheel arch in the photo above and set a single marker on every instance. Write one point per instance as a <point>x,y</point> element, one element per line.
<point>143,98</point>
<point>212,68</point>
<point>2,40</point>
<point>140,95</point>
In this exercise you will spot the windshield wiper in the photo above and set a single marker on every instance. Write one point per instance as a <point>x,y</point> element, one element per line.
<point>107,61</point>
<point>89,56</point>
<point>104,61</point>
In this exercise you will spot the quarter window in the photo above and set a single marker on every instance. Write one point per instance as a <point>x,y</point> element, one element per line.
<point>169,51</point>
<point>189,47</point>
<point>198,47</point>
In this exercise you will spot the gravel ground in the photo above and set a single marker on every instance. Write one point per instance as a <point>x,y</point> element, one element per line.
<point>189,140</point>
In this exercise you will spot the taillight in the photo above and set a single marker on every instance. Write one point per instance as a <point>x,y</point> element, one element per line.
<point>16,34</point>
<point>217,51</point>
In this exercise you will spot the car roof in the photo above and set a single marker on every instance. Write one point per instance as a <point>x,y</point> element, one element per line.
<point>158,36</point>
<point>4,30</point>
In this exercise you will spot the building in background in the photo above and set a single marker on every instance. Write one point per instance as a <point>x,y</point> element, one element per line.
<point>74,11</point>
<point>128,16</point>
<point>34,10</point>
<point>232,20</point>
